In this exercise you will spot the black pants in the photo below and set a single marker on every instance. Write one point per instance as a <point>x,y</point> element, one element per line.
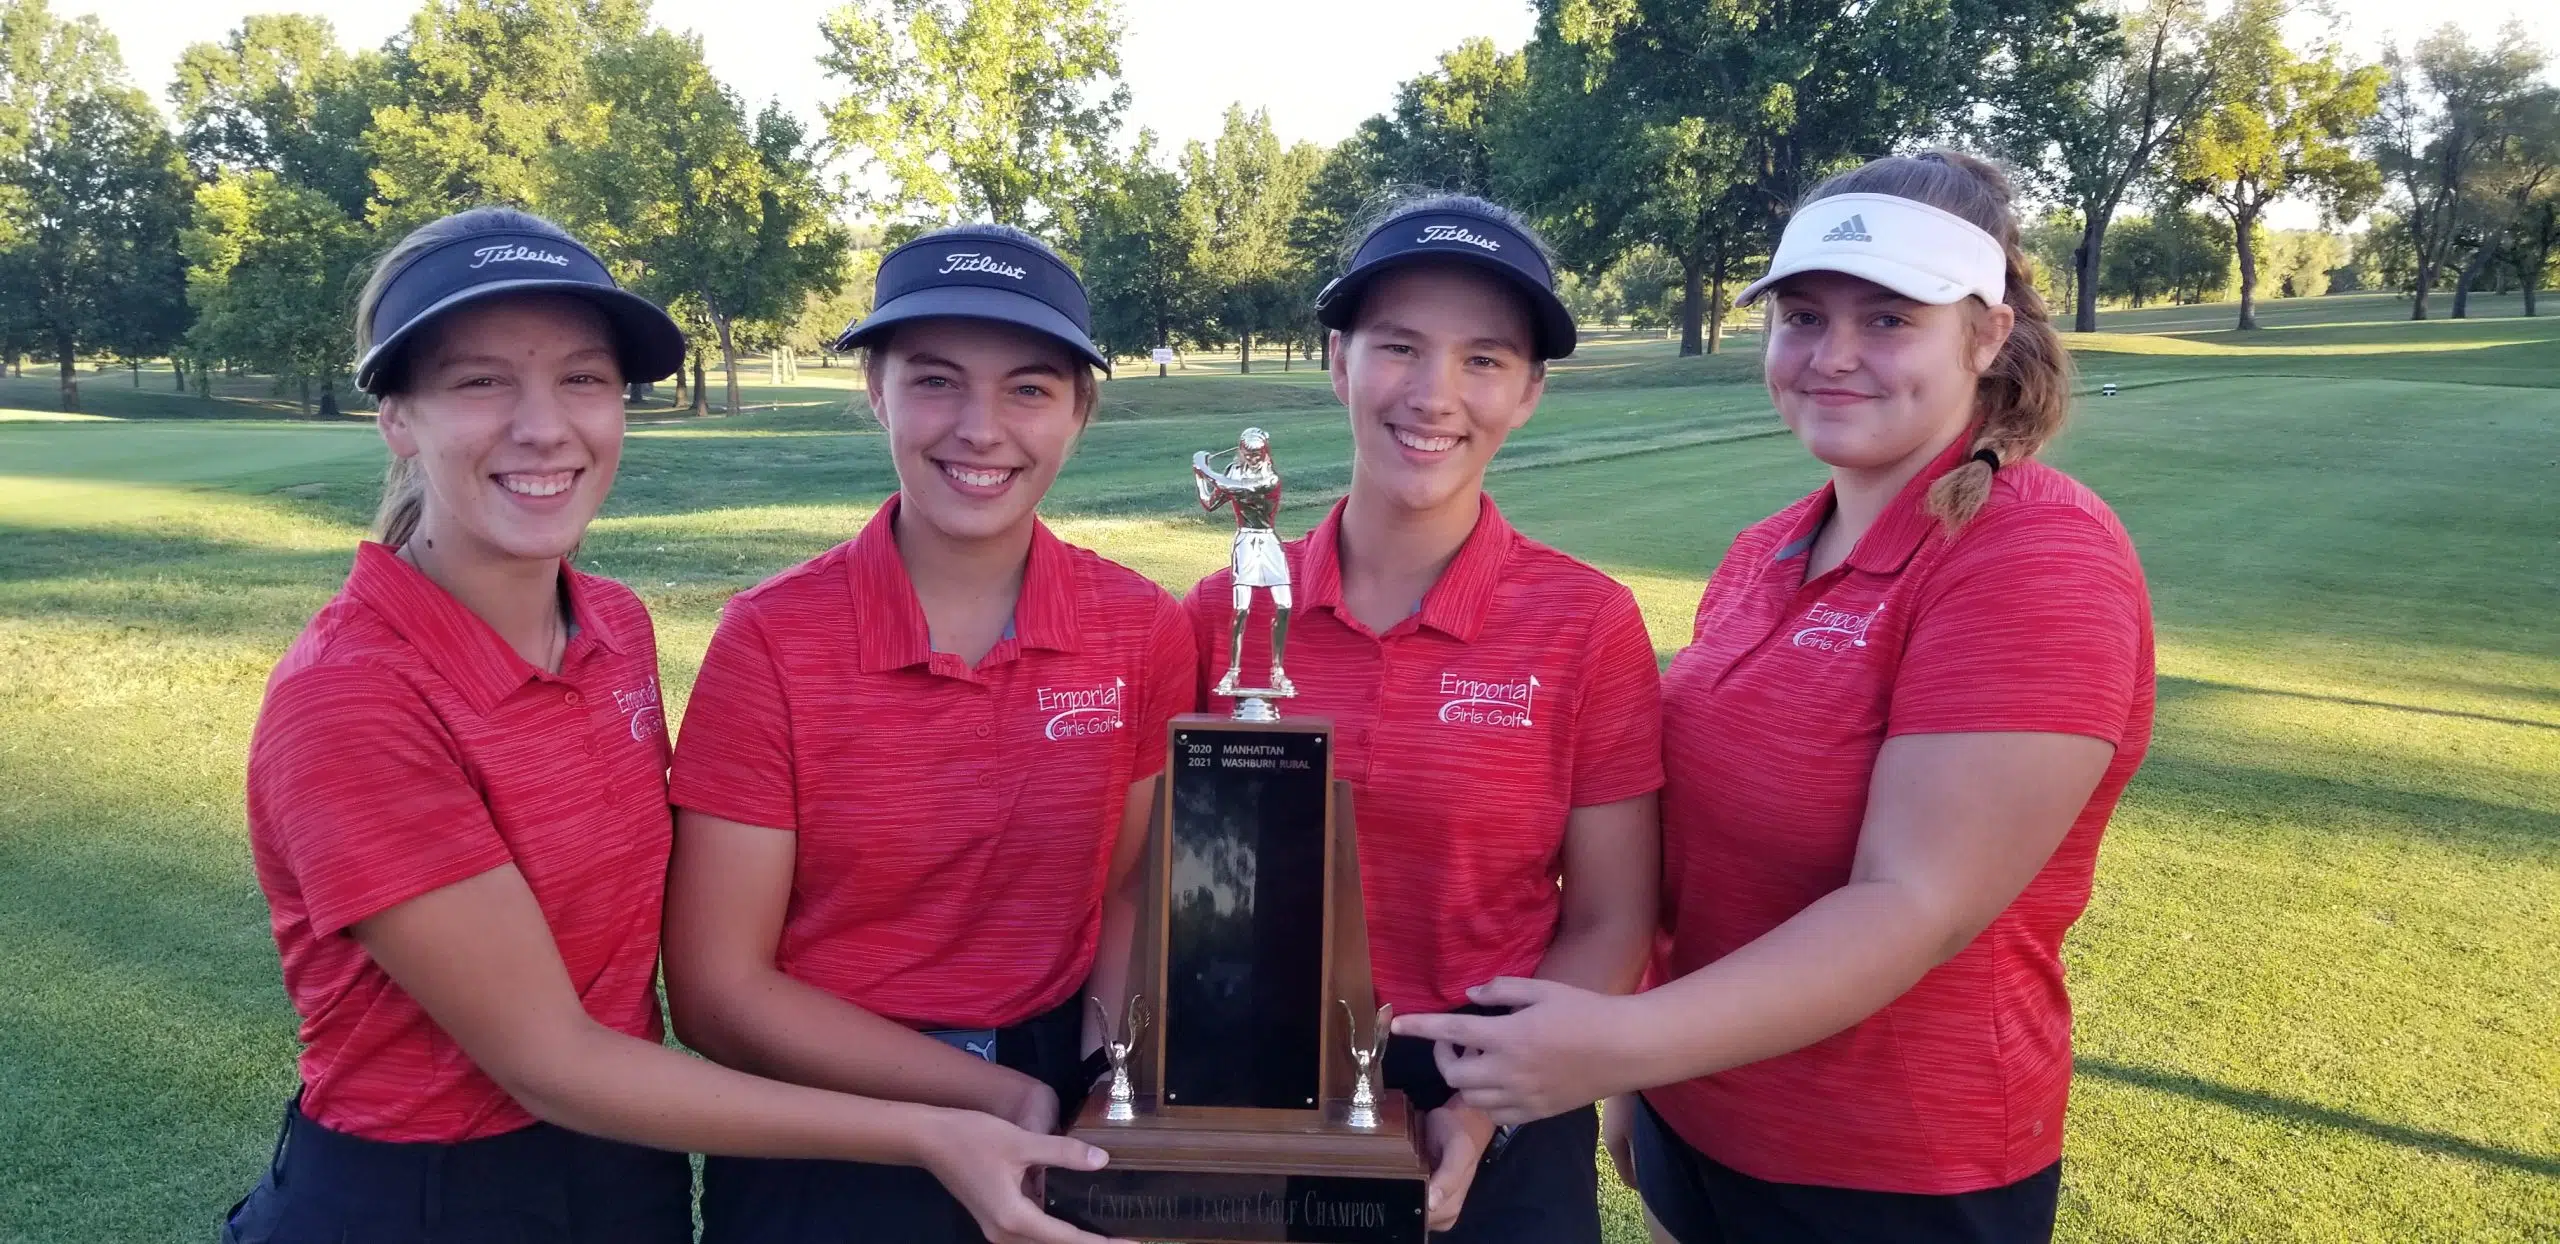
<point>796,1201</point>
<point>1541,1188</point>
<point>1701,1201</point>
<point>535,1185</point>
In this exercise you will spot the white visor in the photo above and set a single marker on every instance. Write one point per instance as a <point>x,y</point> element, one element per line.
<point>1918,251</point>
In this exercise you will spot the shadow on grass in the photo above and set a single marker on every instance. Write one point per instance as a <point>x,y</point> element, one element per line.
<point>30,553</point>
<point>2172,687</point>
<point>2254,798</point>
<point>2272,1105</point>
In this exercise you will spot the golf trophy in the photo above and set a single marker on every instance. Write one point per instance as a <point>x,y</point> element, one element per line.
<point>1249,1107</point>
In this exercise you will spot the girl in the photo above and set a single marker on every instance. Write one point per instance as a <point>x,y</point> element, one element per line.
<point>457,803</point>
<point>918,768</point>
<point>1907,710</point>
<point>1494,701</point>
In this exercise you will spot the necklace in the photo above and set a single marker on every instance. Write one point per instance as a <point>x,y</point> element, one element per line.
<point>555,640</point>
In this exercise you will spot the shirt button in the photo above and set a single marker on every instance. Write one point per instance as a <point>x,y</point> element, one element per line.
<point>984,731</point>
<point>986,779</point>
<point>573,699</point>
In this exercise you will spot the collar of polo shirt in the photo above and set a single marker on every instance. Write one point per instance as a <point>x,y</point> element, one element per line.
<point>484,667</point>
<point>893,634</point>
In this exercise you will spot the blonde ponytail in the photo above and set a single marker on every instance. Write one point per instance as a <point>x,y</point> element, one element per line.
<point>2023,398</point>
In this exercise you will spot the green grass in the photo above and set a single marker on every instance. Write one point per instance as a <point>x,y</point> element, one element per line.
<point>2315,984</point>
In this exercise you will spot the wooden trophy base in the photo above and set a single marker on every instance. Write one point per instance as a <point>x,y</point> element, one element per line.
<point>1232,1176</point>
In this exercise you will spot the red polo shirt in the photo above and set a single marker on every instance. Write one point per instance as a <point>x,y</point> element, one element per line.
<point>2034,618</point>
<point>404,747</point>
<point>955,824</point>
<point>1522,688</point>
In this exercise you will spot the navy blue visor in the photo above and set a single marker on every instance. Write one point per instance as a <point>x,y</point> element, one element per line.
<point>1461,237</point>
<point>977,278</point>
<point>465,270</point>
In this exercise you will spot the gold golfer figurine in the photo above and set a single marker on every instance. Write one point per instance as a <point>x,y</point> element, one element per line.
<point>1251,484</point>
<point>1366,1056</point>
<point>1116,1046</point>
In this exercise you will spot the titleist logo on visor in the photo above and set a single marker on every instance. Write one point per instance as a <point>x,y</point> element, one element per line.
<point>972,261</point>
<point>512,253</point>
<point>1457,233</point>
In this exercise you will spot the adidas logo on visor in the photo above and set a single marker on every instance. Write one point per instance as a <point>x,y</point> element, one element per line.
<point>1854,229</point>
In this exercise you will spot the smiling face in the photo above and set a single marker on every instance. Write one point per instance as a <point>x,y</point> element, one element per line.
<point>1870,380</point>
<point>1437,370</point>
<point>513,412</point>
<point>980,416</point>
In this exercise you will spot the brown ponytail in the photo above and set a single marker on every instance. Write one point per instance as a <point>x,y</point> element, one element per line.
<point>2021,401</point>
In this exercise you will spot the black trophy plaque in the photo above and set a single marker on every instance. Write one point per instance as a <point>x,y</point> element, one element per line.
<point>1252,934</point>
<point>1244,964</point>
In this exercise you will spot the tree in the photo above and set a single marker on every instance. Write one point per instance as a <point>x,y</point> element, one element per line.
<point>1138,253</point>
<point>2510,215</point>
<point>1689,111</point>
<point>2052,243</point>
<point>2380,258</point>
<point>2095,110</point>
<point>1440,134</point>
<point>975,109</point>
<point>2533,196</point>
<point>1667,186</point>
<point>93,193</point>
<point>1239,196</point>
<point>279,95</point>
<point>1605,178</point>
<point>2176,254</point>
<point>485,91</point>
<point>664,174</point>
<point>2441,110</point>
<point>1350,184</point>
<point>825,315</point>
<point>2298,263</point>
<point>272,266</point>
<point>2278,125</point>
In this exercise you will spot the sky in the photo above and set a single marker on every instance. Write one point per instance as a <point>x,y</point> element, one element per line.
<point>1319,66</point>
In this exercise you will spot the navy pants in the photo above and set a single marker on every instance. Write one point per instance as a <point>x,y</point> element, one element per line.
<point>803,1201</point>
<point>535,1185</point>
<point>1701,1201</point>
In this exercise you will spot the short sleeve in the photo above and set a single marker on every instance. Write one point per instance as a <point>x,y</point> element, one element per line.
<point>733,757</point>
<point>2036,621</point>
<point>1617,749</point>
<point>1171,680</point>
<point>356,785</point>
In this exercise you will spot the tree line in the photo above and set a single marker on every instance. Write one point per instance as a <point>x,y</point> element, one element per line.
<point>1658,143</point>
